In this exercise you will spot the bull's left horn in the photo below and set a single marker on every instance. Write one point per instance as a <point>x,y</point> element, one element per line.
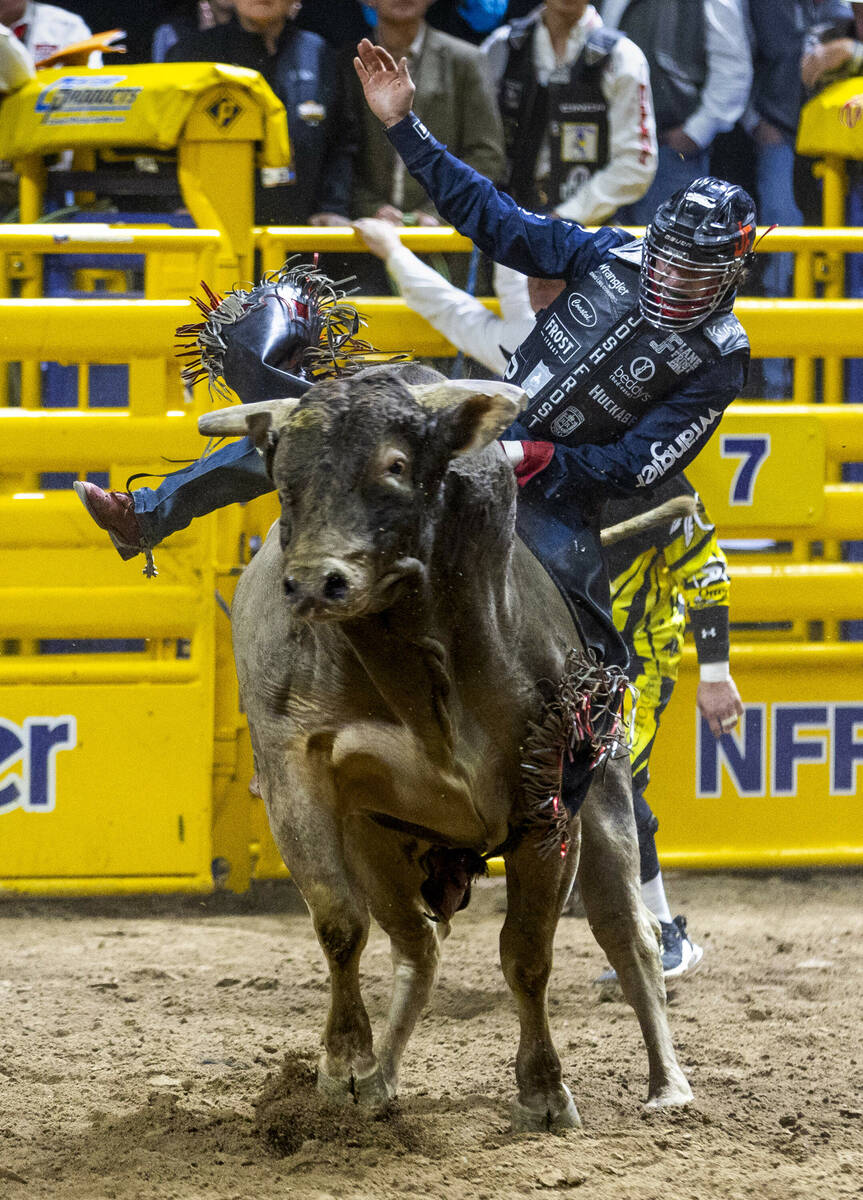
<point>233,421</point>
<point>478,410</point>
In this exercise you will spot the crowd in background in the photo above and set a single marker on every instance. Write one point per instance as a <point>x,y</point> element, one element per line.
<point>592,112</point>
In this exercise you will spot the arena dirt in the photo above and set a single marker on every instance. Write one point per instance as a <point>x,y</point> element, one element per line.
<point>166,1048</point>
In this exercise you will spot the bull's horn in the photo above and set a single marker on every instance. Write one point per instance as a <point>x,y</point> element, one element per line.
<point>663,514</point>
<point>460,402</point>
<point>452,391</point>
<point>232,422</point>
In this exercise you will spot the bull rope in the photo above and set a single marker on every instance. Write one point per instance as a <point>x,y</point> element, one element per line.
<point>582,714</point>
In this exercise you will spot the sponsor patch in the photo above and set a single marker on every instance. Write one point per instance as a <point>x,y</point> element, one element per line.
<point>559,339</point>
<point>540,376</point>
<point>567,422</point>
<point>86,100</point>
<point>581,310</point>
<point>642,369</point>
<point>579,142</point>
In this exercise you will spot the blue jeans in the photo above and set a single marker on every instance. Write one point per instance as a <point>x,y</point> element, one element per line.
<point>774,172</point>
<point>233,473</point>
<point>673,173</point>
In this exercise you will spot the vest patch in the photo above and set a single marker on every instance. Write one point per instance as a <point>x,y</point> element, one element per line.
<point>559,339</point>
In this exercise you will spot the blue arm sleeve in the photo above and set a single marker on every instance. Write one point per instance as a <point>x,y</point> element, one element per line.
<point>662,443</point>
<point>526,241</point>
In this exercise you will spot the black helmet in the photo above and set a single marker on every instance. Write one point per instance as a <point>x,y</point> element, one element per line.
<point>275,340</point>
<point>695,248</point>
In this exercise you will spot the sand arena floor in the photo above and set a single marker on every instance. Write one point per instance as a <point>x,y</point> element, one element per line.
<point>165,1048</point>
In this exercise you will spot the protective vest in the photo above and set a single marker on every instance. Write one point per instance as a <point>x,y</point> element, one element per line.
<point>672,35</point>
<point>592,366</point>
<point>572,113</point>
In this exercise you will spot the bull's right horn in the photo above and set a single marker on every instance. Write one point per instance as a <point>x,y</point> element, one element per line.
<point>233,421</point>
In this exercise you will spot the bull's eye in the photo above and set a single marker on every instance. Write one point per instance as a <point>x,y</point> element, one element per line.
<point>394,466</point>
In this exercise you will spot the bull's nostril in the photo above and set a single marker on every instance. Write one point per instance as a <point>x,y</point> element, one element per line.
<point>335,586</point>
<point>289,587</point>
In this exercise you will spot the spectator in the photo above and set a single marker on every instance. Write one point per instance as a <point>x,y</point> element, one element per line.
<point>16,65</point>
<point>653,573</point>
<point>453,93</point>
<point>44,29</point>
<point>700,75</point>
<point>188,19</point>
<point>578,119</point>
<point>299,68</point>
<point>833,47</point>
<point>770,123</point>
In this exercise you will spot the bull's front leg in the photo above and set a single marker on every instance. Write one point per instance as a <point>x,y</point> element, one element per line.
<point>537,887</point>
<point>308,833</point>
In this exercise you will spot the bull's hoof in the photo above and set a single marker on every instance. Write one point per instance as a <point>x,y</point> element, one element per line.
<point>673,1094</point>
<point>334,1089</point>
<point>370,1090</point>
<point>554,1116</point>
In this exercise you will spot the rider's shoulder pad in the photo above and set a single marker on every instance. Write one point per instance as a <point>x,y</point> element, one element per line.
<point>630,252</point>
<point>726,333</point>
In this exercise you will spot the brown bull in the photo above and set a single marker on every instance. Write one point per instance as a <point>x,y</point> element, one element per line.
<point>389,639</point>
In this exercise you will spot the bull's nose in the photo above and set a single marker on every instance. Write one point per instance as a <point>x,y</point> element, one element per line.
<point>335,586</point>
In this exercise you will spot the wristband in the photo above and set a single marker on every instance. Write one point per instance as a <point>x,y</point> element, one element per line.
<point>718,672</point>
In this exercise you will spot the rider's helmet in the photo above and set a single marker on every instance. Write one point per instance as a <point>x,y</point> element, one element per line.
<point>275,340</point>
<point>695,248</point>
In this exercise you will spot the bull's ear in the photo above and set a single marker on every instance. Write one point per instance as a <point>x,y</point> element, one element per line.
<point>236,421</point>
<point>475,411</point>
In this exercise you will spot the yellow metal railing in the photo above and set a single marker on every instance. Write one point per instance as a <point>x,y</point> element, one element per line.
<point>60,579</point>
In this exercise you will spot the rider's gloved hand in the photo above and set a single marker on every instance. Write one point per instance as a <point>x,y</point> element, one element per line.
<point>528,458</point>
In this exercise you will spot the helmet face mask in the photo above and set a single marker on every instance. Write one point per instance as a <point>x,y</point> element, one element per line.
<point>695,249</point>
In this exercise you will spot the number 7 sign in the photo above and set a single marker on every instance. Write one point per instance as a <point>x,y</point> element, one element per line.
<point>752,452</point>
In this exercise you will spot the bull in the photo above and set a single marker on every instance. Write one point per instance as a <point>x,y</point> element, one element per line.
<point>389,638</point>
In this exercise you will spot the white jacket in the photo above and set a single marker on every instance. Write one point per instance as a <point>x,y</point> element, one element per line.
<point>461,318</point>
<point>50,28</point>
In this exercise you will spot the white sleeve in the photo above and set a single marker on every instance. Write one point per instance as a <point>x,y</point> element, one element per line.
<point>518,318</point>
<point>461,318</point>
<point>729,72</point>
<point>632,154</point>
<point>16,65</point>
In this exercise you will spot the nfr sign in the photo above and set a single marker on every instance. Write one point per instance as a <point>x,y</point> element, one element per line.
<point>32,747</point>
<point>827,734</point>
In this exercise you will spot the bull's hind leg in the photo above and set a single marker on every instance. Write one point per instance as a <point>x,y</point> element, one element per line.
<point>536,887</point>
<point>310,840</point>
<point>608,878</point>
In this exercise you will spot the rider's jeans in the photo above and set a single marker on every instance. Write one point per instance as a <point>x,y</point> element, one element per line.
<point>233,473</point>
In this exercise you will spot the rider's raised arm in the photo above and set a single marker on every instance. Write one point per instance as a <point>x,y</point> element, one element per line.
<point>513,236</point>
<point>525,241</point>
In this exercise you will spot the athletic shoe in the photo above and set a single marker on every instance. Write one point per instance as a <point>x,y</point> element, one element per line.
<point>680,955</point>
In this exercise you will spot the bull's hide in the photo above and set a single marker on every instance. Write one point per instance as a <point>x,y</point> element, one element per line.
<point>390,638</point>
